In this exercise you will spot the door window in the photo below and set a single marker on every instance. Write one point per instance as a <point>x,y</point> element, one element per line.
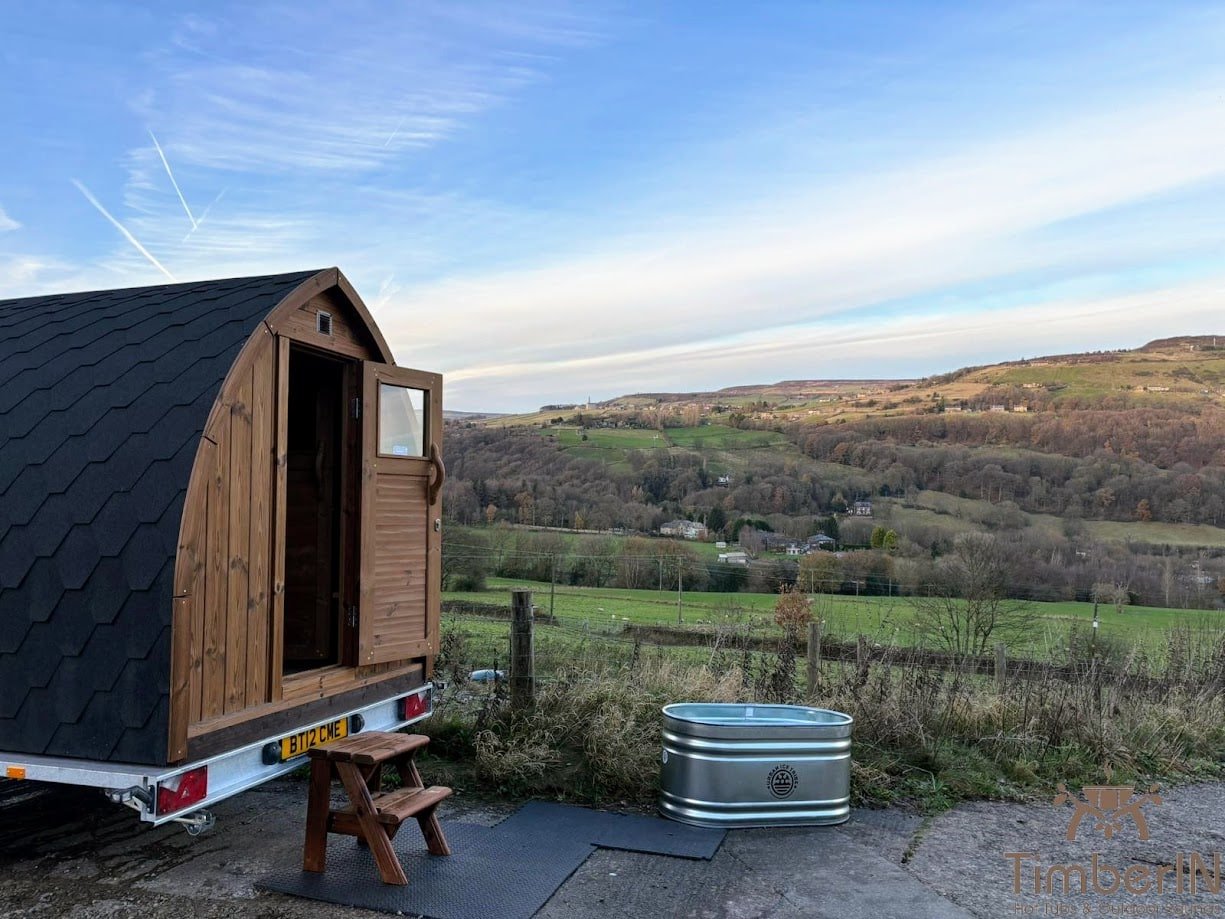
<point>401,421</point>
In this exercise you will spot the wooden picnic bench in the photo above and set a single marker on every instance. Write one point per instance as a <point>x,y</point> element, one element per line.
<point>372,815</point>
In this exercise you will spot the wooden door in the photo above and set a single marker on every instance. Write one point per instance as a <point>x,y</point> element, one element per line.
<point>401,517</point>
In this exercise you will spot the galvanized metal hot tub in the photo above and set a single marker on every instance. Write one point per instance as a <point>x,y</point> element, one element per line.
<point>733,765</point>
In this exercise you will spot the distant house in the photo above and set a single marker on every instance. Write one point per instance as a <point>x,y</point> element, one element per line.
<point>999,408</point>
<point>862,509</point>
<point>1157,389</point>
<point>724,481</point>
<point>820,541</point>
<point>686,529</point>
<point>734,558</point>
<point>776,542</point>
<point>1031,385</point>
<point>1021,409</point>
<point>954,408</point>
<point>795,549</point>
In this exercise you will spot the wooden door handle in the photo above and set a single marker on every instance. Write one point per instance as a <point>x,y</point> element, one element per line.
<point>440,473</point>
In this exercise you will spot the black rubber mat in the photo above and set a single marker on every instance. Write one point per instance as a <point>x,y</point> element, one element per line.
<point>619,831</point>
<point>509,870</point>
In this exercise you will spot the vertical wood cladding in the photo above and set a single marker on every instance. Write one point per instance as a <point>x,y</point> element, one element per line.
<point>230,572</point>
<point>230,660</point>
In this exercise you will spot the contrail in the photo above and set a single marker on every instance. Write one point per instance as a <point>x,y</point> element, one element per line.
<point>122,229</point>
<point>396,132</point>
<point>178,191</point>
<point>204,216</point>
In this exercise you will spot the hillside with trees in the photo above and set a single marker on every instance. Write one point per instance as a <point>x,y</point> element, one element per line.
<point>1092,469</point>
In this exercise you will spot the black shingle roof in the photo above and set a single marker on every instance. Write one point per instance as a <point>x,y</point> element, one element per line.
<point>103,398</point>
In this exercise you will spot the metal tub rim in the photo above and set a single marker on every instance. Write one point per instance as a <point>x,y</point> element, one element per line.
<point>756,714</point>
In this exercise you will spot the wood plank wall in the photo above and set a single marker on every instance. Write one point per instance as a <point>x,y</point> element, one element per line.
<point>231,591</point>
<point>228,580</point>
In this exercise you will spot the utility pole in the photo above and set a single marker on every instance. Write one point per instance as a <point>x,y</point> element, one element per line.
<point>552,586</point>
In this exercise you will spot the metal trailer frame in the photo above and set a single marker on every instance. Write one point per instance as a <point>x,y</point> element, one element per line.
<point>228,773</point>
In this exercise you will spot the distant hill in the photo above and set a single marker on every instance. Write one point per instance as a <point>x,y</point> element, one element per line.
<point>1185,373</point>
<point>449,415</point>
<point>789,390</point>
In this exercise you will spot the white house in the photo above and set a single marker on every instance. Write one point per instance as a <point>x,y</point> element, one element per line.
<point>686,529</point>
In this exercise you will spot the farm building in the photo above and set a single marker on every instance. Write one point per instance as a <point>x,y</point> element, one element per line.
<point>219,517</point>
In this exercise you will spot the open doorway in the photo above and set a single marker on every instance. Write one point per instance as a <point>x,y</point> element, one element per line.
<point>319,530</point>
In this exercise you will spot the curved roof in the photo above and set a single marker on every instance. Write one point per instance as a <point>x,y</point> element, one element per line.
<point>103,398</point>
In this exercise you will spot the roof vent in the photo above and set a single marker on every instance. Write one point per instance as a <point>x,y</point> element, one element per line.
<point>323,323</point>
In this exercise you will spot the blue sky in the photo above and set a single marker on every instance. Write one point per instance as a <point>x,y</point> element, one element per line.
<point>550,201</point>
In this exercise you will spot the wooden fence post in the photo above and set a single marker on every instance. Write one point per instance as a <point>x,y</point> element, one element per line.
<point>522,652</point>
<point>861,660</point>
<point>1001,665</point>
<point>814,656</point>
<point>680,614</point>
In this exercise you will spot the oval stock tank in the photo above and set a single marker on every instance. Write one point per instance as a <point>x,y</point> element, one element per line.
<point>733,765</point>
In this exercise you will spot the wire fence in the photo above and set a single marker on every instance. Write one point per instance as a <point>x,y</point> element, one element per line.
<point>569,646</point>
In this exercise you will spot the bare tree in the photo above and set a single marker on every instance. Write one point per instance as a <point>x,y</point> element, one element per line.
<point>967,607</point>
<point>1114,594</point>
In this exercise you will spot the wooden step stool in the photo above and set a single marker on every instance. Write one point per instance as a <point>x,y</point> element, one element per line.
<point>372,815</point>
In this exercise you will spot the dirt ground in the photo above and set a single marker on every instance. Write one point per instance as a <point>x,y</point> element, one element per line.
<point>71,853</point>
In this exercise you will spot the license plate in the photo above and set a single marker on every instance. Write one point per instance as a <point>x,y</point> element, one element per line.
<point>297,744</point>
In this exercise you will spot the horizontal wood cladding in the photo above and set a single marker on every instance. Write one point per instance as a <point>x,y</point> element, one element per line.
<point>348,334</point>
<point>398,629</point>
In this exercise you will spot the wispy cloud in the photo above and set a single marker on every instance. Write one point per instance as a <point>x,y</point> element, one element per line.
<point>377,94</point>
<point>136,243</point>
<point>839,251</point>
<point>7,223</point>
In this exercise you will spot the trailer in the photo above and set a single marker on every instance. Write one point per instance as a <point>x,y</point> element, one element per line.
<point>220,535</point>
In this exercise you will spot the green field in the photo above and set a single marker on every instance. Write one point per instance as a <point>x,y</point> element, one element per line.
<point>957,515</point>
<point>886,620</point>
<point>721,437</point>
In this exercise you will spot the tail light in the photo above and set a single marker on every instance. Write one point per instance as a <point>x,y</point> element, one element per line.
<point>416,705</point>
<point>182,791</point>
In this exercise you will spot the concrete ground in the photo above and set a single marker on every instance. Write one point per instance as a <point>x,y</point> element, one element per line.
<point>70,853</point>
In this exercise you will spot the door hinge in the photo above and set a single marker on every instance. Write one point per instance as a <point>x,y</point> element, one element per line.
<point>351,617</point>
<point>355,408</point>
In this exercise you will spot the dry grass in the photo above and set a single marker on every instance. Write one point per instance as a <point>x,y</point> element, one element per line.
<point>924,733</point>
<point>593,734</point>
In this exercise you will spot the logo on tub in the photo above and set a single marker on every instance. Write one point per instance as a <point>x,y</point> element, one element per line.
<point>782,781</point>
